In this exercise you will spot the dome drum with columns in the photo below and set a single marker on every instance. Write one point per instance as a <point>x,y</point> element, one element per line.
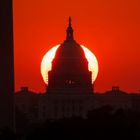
<point>69,73</point>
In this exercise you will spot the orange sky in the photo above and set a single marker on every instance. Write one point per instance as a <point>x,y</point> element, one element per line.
<point>109,28</point>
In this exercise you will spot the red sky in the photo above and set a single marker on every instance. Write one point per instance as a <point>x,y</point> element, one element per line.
<point>109,28</point>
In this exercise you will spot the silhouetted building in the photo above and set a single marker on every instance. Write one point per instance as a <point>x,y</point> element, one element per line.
<point>27,102</point>
<point>6,65</point>
<point>69,82</point>
<point>41,107</point>
<point>69,74</point>
<point>69,92</point>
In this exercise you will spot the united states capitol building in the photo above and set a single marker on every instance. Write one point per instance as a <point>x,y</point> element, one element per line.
<point>70,92</point>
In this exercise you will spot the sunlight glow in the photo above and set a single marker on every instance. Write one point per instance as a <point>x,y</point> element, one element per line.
<point>92,62</point>
<point>46,63</point>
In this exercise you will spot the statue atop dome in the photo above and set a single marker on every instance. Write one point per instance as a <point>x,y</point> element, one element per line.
<point>69,31</point>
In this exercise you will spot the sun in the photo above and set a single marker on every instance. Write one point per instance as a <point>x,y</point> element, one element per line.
<point>46,62</point>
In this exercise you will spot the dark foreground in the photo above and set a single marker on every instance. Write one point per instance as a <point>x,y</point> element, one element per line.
<point>103,123</point>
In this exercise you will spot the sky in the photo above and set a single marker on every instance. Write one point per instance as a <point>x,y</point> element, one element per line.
<point>109,28</point>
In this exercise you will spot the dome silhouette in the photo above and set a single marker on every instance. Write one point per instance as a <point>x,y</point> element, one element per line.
<point>70,53</point>
<point>70,49</point>
<point>70,71</point>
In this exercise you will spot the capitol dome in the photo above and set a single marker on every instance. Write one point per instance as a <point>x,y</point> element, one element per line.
<point>70,48</point>
<point>70,71</point>
<point>70,55</point>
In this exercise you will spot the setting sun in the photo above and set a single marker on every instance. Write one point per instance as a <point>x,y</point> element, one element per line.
<point>49,56</point>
